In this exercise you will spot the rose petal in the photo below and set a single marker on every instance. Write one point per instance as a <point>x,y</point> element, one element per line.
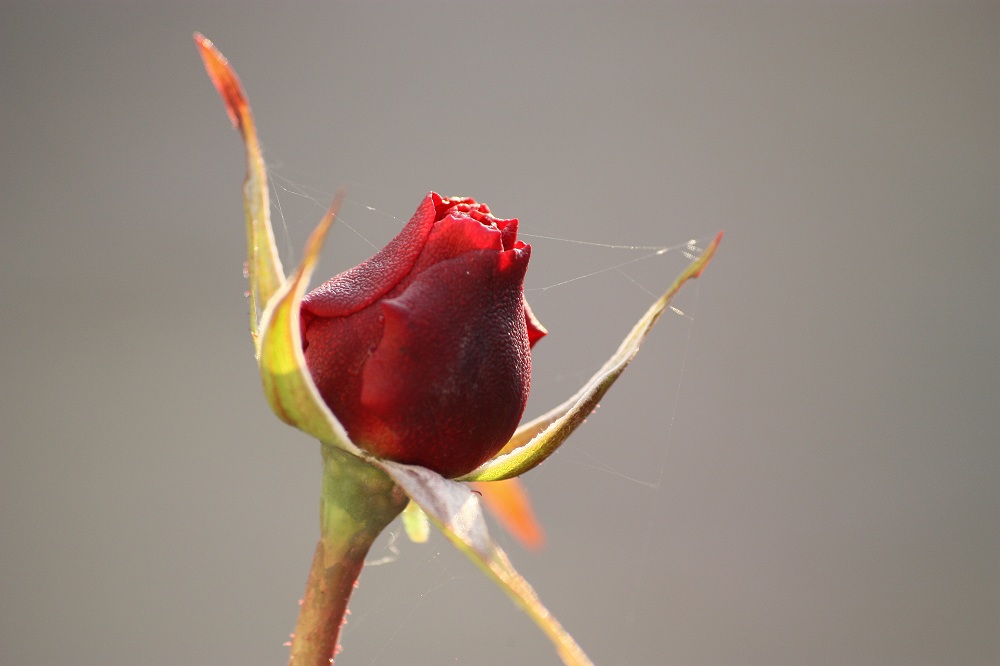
<point>454,344</point>
<point>359,287</point>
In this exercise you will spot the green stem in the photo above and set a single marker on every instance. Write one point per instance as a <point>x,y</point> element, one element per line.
<point>358,501</point>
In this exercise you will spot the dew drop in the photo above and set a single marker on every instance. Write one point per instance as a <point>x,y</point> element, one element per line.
<point>246,270</point>
<point>246,294</point>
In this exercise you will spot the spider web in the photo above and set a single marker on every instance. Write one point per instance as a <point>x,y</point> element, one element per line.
<point>595,289</point>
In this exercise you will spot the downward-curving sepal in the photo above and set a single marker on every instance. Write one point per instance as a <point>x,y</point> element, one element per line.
<point>455,509</point>
<point>536,440</point>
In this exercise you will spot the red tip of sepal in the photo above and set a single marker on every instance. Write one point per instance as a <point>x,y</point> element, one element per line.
<point>224,79</point>
<point>708,253</point>
<point>508,501</point>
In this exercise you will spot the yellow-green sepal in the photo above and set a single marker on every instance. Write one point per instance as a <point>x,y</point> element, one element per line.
<point>415,523</point>
<point>288,386</point>
<point>263,266</point>
<point>455,509</point>
<point>536,440</point>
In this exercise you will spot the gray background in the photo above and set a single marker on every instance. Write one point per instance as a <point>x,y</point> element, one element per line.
<point>801,471</point>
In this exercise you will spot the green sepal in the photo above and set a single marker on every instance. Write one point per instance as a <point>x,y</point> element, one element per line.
<point>455,509</point>
<point>263,267</point>
<point>536,440</point>
<point>415,523</point>
<point>288,386</point>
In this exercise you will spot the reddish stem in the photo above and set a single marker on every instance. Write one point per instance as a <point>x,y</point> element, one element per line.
<point>358,501</point>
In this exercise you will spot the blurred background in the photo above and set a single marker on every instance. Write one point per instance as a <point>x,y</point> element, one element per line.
<point>802,468</point>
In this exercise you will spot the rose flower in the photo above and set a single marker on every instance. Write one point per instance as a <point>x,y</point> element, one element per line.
<point>423,351</point>
<point>421,356</point>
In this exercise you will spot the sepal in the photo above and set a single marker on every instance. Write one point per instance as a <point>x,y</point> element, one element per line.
<point>263,266</point>
<point>536,440</point>
<point>456,511</point>
<point>415,523</point>
<point>288,386</point>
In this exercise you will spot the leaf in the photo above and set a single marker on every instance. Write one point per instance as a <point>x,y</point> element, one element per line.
<point>456,511</point>
<point>263,265</point>
<point>536,440</point>
<point>288,386</point>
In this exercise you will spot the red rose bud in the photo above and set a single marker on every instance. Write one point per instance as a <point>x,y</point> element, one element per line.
<point>423,351</point>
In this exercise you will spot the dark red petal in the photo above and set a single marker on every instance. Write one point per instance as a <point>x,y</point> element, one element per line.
<point>336,350</point>
<point>449,379</point>
<point>456,234</point>
<point>362,285</point>
<point>444,204</point>
<point>508,232</point>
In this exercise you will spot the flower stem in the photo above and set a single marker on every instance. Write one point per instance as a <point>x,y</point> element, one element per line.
<point>358,501</point>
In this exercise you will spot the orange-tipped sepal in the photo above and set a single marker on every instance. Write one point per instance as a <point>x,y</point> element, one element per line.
<point>508,502</point>
<point>225,81</point>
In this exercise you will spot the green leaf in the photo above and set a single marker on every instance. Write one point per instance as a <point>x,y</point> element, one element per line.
<point>455,509</point>
<point>288,386</point>
<point>536,440</point>
<point>263,265</point>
